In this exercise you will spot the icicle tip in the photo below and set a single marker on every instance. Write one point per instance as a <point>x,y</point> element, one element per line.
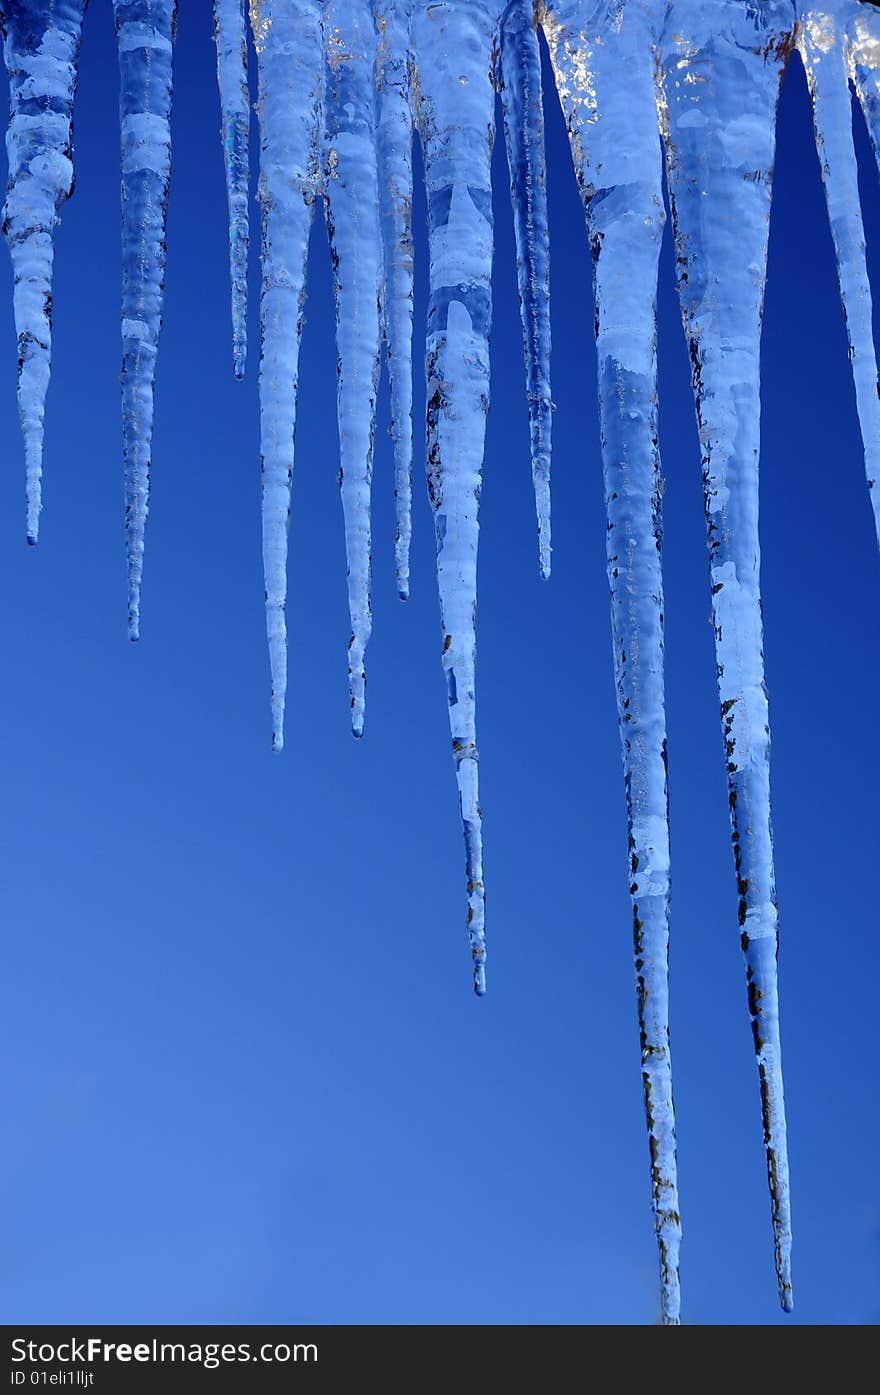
<point>357,683</point>
<point>279,694</point>
<point>783,1275</point>
<point>134,617</point>
<point>402,565</point>
<point>34,495</point>
<point>541,476</point>
<point>480,976</point>
<point>357,718</point>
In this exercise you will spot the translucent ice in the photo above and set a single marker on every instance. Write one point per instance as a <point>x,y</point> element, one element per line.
<point>235,108</point>
<point>145,39</point>
<point>41,50</point>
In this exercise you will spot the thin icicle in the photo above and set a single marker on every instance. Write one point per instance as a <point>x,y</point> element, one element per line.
<point>288,37</point>
<point>863,45</point>
<point>235,108</point>
<point>394,133</point>
<point>605,77</point>
<point>722,63</point>
<point>145,38</point>
<point>522,103</point>
<point>351,195</point>
<point>456,114</point>
<point>41,50</point>
<point>822,46</point>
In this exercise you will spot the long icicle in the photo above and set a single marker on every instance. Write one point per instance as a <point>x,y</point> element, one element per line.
<point>722,64</point>
<point>522,104</point>
<point>822,46</point>
<point>145,38</point>
<point>288,37</point>
<point>41,49</point>
<point>394,136</point>
<point>455,113</point>
<point>605,77</point>
<point>351,196</point>
<point>235,114</point>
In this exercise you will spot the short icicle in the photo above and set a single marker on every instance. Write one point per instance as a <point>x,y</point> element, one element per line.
<point>145,38</point>
<point>522,104</point>
<point>455,43</point>
<point>235,116</point>
<point>722,63</point>
<point>351,195</point>
<point>605,77</point>
<point>823,49</point>
<point>288,37</point>
<point>41,49</point>
<point>394,136</point>
<point>863,55</point>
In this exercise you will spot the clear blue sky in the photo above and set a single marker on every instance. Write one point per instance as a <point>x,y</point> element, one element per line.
<point>246,1078</point>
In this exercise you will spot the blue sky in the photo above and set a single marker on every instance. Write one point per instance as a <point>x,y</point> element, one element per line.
<point>246,1078</point>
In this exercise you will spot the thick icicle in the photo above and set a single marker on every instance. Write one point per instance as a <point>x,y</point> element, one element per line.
<point>822,46</point>
<point>456,119</point>
<point>522,103</point>
<point>721,67</point>
<point>145,38</point>
<point>235,110</point>
<point>605,77</point>
<point>394,133</point>
<point>288,37</point>
<point>41,49</point>
<point>351,194</point>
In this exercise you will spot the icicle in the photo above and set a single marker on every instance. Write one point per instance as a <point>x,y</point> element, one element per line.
<point>863,47</point>
<point>821,43</point>
<point>605,77</point>
<point>289,41</point>
<point>41,50</point>
<point>455,115</point>
<point>522,103</point>
<point>235,107</point>
<point>394,132</point>
<point>145,37</point>
<point>721,68</point>
<point>351,195</point>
